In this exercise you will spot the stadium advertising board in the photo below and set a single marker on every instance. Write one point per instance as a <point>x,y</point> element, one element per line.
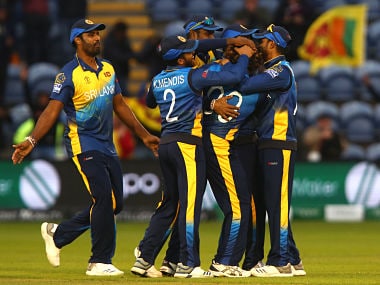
<point>40,189</point>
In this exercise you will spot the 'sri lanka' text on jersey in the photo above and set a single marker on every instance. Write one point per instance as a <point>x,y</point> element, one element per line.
<point>87,96</point>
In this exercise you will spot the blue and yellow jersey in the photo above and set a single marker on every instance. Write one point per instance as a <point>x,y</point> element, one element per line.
<point>277,122</point>
<point>209,50</point>
<point>227,129</point>
<point>180,106</point>
<point>178,90</point>
<point>87,96</point>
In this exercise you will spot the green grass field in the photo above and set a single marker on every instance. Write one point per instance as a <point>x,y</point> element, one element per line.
<point>333,253</point>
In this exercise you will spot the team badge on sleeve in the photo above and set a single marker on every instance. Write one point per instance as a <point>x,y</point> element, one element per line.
<point>204,73</point>
<point>59,79</point>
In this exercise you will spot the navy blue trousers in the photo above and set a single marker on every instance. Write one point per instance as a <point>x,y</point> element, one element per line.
<point>103,178</point>
<point>229,185</point>
<point>276,173</point>
<point>184,172</point>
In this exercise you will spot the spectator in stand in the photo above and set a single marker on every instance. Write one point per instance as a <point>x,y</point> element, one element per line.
<point>295,16</point>
<point>117,49</point>
<point>253,16</point>
<point>322,141</point>
<point>371,88</point>
<point>36,25</point>
<point>6,47</point>
<point>51,146</point>
<point>150,57</point>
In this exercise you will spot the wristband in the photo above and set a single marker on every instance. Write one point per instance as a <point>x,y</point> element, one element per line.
<point>31,140</point>
<point>212,104</point>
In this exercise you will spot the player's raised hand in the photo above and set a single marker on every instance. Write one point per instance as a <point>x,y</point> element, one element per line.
<point>241,41</point>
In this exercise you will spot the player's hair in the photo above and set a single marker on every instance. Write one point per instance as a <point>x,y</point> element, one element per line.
<point>256,61</point>
<point>231,54</point>
<point>74,44</point>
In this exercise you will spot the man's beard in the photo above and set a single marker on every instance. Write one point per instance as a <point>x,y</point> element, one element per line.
<point>91,50</point>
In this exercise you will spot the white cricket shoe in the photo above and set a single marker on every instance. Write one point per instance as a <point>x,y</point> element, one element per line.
<point>145,269</point>
<point>137,252</point>
<point>273,271</point>
<point>221,270</point>
<point>184,271</point>
<point>52,252</point>
<point>298,269</point>
<point>102,269</point>
<point>168,268</point>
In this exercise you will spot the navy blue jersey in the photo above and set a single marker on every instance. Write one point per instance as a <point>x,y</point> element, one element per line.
<point>227,129</point>
<point>277,121</point>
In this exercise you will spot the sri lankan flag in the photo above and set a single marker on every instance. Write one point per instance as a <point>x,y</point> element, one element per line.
<point>336,37</point>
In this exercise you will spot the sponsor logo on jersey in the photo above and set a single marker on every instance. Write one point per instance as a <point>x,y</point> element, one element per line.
<point>273,73</point>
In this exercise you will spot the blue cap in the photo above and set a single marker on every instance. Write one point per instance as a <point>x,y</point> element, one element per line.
<point>201,22</point>
<point>84,26</point>
<point>274,33</point>
<point>236,30</point>
<point>173,46</point>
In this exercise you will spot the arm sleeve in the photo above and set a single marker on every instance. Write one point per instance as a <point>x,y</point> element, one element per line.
<point>267,81</point>
<point>228,74</point>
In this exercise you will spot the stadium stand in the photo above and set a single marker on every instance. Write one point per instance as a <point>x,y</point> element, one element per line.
<point>322,108</point>
<point>308,85</point>
<point>358,122</point>
<point>354,152</point>
<point>165,10</point>
<point>373,152</point>
<point>339,83</point>
<point>228,9</point>
<point>199,7</point>
<point>371,71</point>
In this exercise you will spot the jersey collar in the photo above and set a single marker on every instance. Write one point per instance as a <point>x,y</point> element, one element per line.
<point>274,61</point>
<point>87,67</point>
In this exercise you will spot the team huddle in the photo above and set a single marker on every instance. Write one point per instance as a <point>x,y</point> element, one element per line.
<point>228,108</point>
<point>232,123</point>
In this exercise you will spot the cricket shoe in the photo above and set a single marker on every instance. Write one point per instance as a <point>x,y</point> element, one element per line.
<point>168,268</point>
<point>52,252</point>
<point>273,271</point>
<point>102,269</point>
<point>221,270</point>
<point>298,269</point>
<point>137,252</point>
<point>258,265</point>
<point>145,269</point>
<point>184,271</point>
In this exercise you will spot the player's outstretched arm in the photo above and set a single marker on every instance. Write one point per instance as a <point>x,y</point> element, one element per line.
<point>44,124</point>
